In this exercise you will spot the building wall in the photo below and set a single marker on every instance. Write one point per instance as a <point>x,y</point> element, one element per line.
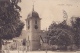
<point>33,35</point>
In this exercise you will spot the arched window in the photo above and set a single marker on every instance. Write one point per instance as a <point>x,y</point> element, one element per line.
<point>28,24</point>
<point>36,26</point>
<point>35,21</point>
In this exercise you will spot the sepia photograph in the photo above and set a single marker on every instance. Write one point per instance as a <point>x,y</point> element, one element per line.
<point>39,26</point>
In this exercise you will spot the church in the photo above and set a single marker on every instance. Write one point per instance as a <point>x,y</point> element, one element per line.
<point>33,36</point>
<point>33,33</point>
<point>33,30</point>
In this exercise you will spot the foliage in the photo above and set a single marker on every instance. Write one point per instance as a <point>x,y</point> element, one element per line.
<point>10,24</point>
<point>61,34</point>
<point>76,26</point>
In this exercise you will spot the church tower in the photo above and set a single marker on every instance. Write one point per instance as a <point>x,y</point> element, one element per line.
<point>33,27</point>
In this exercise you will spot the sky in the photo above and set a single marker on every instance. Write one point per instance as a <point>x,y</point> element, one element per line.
<point>50,10</point>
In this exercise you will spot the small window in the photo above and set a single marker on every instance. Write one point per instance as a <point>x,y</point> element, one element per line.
<point>28,37</point>
<point>14,40</point>
<point>28,22</point>
<point>28,27</point>
<point>35,21</point>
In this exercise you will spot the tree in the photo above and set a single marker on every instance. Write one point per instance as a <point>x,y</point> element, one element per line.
<point>61,34</point>
<point>75,21</point>
<point>10,23</point>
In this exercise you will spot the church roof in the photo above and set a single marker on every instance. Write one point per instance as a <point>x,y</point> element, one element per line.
<point>33,14</point>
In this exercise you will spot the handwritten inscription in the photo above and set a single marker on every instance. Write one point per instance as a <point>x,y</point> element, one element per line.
<point>65,4</point>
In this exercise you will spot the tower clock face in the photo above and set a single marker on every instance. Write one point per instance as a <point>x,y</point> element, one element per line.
<point>36,27</point>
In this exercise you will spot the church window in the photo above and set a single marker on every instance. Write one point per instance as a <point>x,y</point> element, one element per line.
<point>28,24</point>
<point>35,21</point>
<point>28,37</point>
<point>24,42</point>
<point>36,27</point>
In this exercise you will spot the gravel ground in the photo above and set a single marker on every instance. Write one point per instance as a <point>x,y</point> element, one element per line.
<point>39,52</point>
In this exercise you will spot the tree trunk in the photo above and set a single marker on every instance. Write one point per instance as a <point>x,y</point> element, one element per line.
<point>0,45</point>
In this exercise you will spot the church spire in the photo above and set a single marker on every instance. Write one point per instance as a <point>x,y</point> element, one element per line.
<point>33,6</point>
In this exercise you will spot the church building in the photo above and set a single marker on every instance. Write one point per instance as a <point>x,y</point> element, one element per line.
<point>33,35</point>
<point>33,29</point>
